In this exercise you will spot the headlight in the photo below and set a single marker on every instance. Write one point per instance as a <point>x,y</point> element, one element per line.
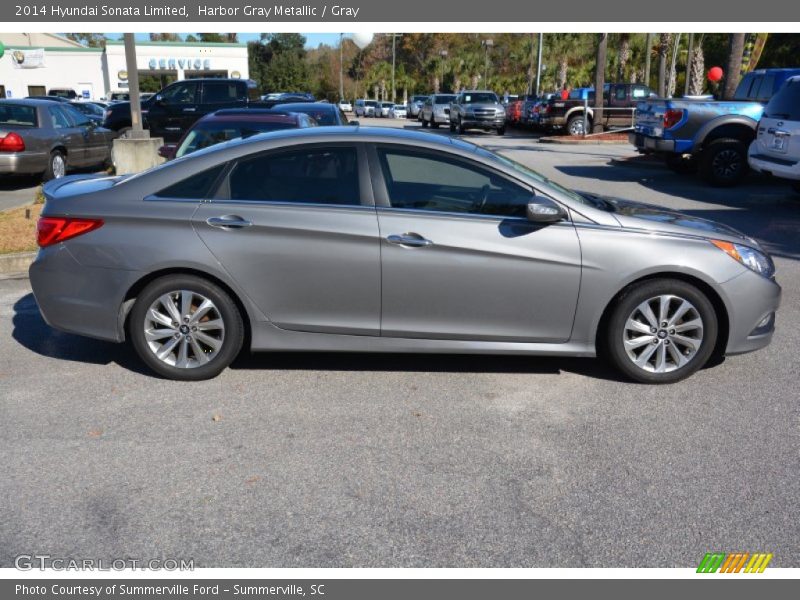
<point>751,258</point>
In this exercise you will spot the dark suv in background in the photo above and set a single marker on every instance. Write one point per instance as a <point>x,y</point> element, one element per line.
<point>174,109</point>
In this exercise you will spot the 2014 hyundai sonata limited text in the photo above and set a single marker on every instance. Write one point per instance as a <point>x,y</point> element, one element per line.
<point>378,240</point>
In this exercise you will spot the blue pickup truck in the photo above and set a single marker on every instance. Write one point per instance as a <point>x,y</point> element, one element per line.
<point>700,134</point>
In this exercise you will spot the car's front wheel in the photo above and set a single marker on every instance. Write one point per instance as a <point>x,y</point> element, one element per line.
<point>185,327</point>
<point>661,331</point>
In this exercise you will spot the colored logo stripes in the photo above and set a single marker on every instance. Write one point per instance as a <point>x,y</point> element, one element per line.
<point>734,563</point>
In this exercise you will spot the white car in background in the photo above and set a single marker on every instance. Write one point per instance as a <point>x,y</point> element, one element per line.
<point>383,108</point>
<point>776,149</point>
<point>345,106</point>
<point>398,111</point>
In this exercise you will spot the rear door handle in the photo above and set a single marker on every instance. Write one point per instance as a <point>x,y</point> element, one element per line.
<point>228,222</point>
<point>413,240</point>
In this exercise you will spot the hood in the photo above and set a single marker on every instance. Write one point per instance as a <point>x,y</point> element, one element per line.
<point>495,105</point>
<point>637,215</point>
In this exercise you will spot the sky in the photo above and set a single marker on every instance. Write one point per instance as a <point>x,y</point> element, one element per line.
<point>312,39</point>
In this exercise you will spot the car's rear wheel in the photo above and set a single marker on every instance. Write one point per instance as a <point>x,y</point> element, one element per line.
<point>424,123</point>
<point>56,166</point>
<point>434,124</point>
<point>501,131</point>
<point>460,127</point>
<point>186,328</point>
<point>575,125</point>
<point>661,331</point>
<point>452,127</point>
<point>724,162</point>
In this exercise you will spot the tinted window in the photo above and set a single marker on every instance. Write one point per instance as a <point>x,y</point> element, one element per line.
<point>59,118</point>
<point>311,175</point>
<point>180,93</point>
<point>77,118</point>
<point>195,187</point>
<point>16,115</point>
<point>423,181</point>
<point>222,92</point>
<point>786,103</point>
<point>207,134</point>
<point>764,91</point>
<point>747,87</point>
<point>444,99</point>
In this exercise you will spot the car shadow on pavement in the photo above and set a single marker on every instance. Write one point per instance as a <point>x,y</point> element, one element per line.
<point>19,182</point>
<point>33,333</point>
<point>425,363</point>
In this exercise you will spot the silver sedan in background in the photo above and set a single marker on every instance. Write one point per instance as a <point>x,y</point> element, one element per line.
<point>382,240</point>
<point>49,138</point>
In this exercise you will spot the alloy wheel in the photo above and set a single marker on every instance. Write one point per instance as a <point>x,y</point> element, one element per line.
<point>727,164</point>
<point>663,334</point>
<point>59,167</point>
<point>184,329</point>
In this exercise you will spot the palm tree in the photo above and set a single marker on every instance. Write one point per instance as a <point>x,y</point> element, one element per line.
<point>623,55</point>
<point>733,71</point>
<point>663,49</point>
<point>697,67</point>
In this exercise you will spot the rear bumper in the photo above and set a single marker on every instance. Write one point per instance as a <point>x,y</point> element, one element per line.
<point>643,142</point>
<point>752,302</point>
<point>77,299</point>
<point>13,163</point>
<point>779,167</point>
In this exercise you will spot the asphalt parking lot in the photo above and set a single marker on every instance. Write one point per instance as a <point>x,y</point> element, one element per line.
<point>323,460</point>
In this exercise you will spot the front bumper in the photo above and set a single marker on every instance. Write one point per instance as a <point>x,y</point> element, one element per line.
<point>477,123</point>
<point>77,299</point>
<point>752,302</point>
<point>23,163</point>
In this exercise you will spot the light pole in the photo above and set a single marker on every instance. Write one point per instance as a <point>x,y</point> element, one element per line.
<point>487,44</point>
<point>443,54</point>
<point>394,53</point>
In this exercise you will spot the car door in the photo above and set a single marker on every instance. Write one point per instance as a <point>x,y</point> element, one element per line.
<point>297,229</point>
<point>97,147</point>
<point>174,110</point>
<point>459,258</point>
<point>69,135</point>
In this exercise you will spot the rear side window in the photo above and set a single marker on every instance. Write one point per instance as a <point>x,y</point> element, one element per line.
<point>747,87</point>
<point>196,187</point>
<point>59,118</point>
<point>17,115</point>
<point>222,92</point>
<point>307,176</point>
<point>786,103</point>
<point>765,88</point>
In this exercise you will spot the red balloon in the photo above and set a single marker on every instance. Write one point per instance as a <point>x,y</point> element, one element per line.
<point>715,74</point>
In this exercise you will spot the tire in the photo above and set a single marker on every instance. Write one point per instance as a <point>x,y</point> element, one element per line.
<point>452,127</point>
<point>575,125</point>
<point>680,164</point>
<point>424,124</point>
<point>56,166</point>
<point>224,310</point>
<point>434,124</point>
<point>667,347</point>
<point>723,163</point>
<point>501,131</point>
<point>460,127</point>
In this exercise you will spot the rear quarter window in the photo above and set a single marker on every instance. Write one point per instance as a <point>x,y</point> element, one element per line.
<point>196,187</point>
<point>786,103</point>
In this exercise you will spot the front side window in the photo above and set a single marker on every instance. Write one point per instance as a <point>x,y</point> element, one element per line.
<point>422,181</point>
<point>180,93</point>
<point>59,117</point>
<point>223,92</point>
<point>305,176</point>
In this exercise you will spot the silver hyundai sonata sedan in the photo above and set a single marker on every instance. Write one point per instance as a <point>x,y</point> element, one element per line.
<point>379,240</point>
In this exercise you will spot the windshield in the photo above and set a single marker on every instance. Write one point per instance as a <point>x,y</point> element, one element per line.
<point>89,109</point>
<point>480,98</point>
<point>371,103</point>
<point>531,174</point>
<point>444,98</point>
<point>210,134</point>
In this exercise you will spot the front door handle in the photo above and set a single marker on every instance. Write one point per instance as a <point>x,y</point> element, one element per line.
<point>413,240</point>
<point>228,222</point>
<point>189,109</point>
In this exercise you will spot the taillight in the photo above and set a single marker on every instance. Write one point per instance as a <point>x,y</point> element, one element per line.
<point>672,117</point>
<point>12,142</point>
<point>52,230</point>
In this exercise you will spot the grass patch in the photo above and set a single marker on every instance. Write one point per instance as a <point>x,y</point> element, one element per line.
<point>17,233</point>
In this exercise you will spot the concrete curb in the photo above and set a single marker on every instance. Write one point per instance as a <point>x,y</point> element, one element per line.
<point>577,140</point>
<point>15,264</point>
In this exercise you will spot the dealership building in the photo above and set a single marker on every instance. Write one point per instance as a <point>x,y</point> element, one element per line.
<point>34,63</point>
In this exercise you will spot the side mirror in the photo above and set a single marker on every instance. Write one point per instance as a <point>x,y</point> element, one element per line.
<point>158,99</point>
<point>543,210</point>
<point>167,151</point>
